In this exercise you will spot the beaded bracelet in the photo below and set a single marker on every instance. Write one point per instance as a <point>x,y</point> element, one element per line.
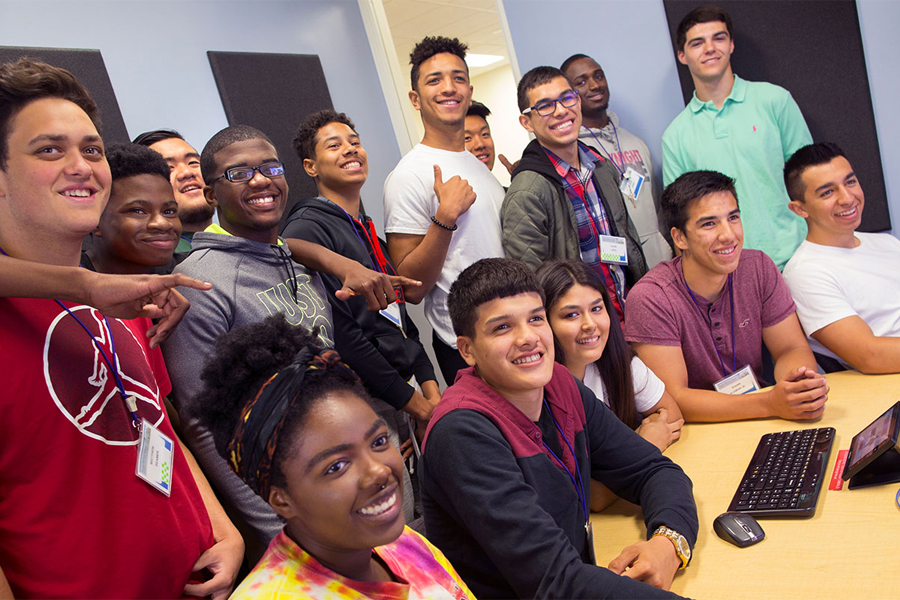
<point>447,227</point>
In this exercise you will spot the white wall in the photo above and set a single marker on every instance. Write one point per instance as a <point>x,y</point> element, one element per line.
<point>497,90</point>
<point>155,52</point>
<point>630,39</point>
<point>878,20</point>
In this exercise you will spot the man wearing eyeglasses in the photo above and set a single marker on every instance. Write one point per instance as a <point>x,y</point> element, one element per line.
<point>253,276</point>
<point>564,200</point>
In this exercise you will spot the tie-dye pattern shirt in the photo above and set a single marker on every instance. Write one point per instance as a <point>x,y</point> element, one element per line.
<point>287,571</point>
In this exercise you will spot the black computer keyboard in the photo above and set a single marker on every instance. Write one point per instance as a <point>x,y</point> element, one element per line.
<point>785,474</point>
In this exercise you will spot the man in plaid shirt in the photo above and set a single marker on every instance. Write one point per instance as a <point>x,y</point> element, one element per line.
<point>565,199</point>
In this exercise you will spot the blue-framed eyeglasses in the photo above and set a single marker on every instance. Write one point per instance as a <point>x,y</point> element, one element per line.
<point>545,108</point>
<point>242,174</point>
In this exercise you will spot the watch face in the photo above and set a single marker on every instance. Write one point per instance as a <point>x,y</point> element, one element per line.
<point>684,547</point>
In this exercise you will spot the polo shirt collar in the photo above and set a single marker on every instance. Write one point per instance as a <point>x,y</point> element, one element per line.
<point>738,93</point>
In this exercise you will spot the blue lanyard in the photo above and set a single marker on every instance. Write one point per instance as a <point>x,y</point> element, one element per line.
<point>731,297</point>
<point>621,169</point>
<point>579,484</point>
<point>130,403</point>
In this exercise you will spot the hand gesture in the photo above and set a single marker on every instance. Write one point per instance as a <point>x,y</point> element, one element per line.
<point>152,296</point>
<point>377,288</point>
<point>509,166</point>
<point>800,395</point>
<point>455,196</point>
<point>654,561</point>
<point>657,430</point>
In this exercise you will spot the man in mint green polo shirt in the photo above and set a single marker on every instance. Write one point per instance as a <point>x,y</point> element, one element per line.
<point>744,129</point>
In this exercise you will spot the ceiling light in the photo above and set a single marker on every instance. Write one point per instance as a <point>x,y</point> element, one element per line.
<point>481,60</point>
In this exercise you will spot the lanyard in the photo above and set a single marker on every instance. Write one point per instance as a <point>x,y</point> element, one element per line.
<point>579,483</point>
<point>596,232</point>
<point>380,263</point>
<point>130,402</point>
<point>731,297</point>
<point>621,169</point>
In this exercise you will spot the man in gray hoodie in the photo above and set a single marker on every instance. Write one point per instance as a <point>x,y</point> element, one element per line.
<point>253,276</point>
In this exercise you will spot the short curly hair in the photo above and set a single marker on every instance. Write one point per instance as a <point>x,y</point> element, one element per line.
<point>305,141</point>
<point>26,80</point>
<point>246,358</point>
<point>431,46</point>
<point>127,160</point>
<point>223,139</point>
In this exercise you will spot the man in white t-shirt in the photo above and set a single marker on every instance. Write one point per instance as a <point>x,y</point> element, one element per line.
<point>846,284</point>
<point>441,206</point>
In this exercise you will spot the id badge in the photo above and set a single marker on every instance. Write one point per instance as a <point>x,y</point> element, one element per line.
<point>392,314</point>
<point>613,250</point>
<point>156,453</point>
<point>589,528</point>
<point>632,181</point>
<point>741,381</point>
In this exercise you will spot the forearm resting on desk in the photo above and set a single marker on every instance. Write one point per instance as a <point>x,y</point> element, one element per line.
<point>852,339</point>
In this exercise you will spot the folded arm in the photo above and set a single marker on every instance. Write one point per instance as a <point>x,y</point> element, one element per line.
<point>852,339</point>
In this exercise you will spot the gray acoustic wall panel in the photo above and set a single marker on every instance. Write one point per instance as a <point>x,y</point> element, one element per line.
<point>273,93</point>
<point>88,67</point>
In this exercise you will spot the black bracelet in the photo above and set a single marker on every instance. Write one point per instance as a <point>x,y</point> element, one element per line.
<point>447,227</point>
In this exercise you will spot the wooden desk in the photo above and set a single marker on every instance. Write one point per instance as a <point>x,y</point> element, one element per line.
<point>849,549</point>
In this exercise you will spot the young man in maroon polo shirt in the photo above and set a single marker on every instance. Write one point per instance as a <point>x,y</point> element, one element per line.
<point>699,320</point>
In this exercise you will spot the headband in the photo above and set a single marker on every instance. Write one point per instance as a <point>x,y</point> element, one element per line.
<point>256,434</point>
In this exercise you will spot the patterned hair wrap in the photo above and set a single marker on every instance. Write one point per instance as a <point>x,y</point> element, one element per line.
<point>256,435</point>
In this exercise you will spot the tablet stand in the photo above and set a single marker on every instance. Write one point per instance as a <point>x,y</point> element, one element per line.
<point>884,469</point>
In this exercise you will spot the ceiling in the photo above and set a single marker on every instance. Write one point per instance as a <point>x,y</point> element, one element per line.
<point>474,22</point>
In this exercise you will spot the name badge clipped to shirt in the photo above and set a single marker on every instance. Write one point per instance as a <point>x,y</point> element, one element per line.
<point>613,250</point>
<point>632,181</point>
<point>392,314</point>
<point>741,381</point>
<point>156,454</point>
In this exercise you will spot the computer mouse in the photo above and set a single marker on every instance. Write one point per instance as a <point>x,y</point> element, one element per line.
<point>739,529</point>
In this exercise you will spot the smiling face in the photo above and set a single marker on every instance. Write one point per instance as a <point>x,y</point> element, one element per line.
<point>56,182</point>
<point>186,179</point>
<point>707,51</point>
<point>479,141</point>
<point>833,203</point>
<point>340,159</point>
<point>712,239</point>
<point>140,227</point>
<point>589,80</point>
<point>512,348</point>
<point>342,491</point>
<point>559,130</point>
<point>443,93</point>
<point>249,209</point>
<point>580,325</point>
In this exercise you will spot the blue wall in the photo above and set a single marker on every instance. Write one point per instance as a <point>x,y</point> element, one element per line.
<point>155,52</point>
<point>631,41</point>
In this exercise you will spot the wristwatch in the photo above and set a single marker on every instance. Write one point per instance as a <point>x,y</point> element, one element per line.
<point>682,548</point>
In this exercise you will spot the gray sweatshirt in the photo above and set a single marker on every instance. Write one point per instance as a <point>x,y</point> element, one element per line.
<point>250,282</point>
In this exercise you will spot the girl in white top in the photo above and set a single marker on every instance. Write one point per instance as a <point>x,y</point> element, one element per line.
<point>593,348</point>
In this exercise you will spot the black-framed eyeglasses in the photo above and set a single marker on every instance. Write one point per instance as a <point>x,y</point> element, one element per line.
<point>545,108</point>
<point>242,174</point>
